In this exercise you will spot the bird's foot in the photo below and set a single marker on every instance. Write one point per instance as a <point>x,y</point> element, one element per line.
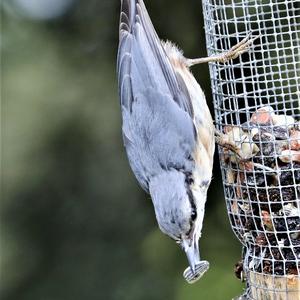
<point>223,141</point>
<point>237,50</point>
<point>200,268</point>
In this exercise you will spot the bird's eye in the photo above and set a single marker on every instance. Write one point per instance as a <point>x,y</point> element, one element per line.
<point>193,215</point>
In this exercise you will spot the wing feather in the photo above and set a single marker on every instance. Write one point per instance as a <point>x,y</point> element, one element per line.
<point>158,128</point>
<point>139,39</point>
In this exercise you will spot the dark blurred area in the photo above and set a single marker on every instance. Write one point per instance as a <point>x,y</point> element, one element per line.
<point>74,222</point>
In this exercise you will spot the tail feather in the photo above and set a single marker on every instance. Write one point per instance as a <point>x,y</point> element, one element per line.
<point>149,55</point>
<point>128,11</point>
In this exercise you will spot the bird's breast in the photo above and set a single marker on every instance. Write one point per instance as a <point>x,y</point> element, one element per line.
<point>205,146</point>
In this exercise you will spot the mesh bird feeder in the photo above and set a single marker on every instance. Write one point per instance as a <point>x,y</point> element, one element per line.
<point>256,100</point>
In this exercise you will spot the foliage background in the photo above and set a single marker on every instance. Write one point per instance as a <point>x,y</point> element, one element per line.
<point>74,223</point>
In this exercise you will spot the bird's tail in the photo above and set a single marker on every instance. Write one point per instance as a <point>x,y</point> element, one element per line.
<point>127,16</point>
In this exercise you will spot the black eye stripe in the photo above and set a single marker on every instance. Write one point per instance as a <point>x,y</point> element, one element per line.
<point>189,178</point>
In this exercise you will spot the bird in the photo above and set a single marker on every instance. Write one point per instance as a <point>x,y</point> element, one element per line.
<point>168,131</point>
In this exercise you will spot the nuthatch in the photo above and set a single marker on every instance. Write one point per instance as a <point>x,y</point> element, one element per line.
<point>167,128</point>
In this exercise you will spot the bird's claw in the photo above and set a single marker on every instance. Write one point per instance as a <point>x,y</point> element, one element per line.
<point>238,49</point>
<point>200,268</point>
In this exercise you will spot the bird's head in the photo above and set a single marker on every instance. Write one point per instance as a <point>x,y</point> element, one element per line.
<point>178,213</point>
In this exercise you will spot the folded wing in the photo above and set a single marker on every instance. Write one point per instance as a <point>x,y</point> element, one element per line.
<point>157,113</point>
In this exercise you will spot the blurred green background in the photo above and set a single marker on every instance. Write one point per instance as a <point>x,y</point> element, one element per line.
<point>74,222</point>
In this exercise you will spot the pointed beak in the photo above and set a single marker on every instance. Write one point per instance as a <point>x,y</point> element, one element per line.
<point>190,246</point>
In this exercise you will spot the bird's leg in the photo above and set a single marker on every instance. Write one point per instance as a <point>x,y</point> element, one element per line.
<point>224,142</point>
<point>238,49</point>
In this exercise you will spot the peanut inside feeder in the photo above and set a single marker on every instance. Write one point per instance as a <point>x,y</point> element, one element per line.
<point>256,99</point>
<point>262,173</point>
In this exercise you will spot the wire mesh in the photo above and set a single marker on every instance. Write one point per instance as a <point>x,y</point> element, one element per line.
<point>256,100</point>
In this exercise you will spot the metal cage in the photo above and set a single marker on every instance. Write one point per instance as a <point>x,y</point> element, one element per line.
<point>256,100</point>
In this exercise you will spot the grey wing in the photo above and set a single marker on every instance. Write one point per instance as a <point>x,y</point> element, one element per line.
<point>158,135</point>
<point>140,46</point>
<point>157,112</point>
